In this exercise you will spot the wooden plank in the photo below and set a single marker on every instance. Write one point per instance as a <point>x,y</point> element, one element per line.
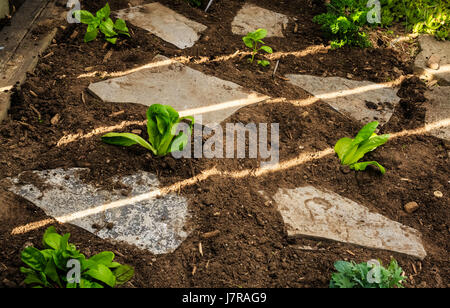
<point>12,36</point>
<point>23,56</point>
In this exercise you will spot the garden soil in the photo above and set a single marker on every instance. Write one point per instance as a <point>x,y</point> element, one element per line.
<point>242,235</point>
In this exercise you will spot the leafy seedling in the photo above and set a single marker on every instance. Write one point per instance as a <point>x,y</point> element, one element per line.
<point>52,267</point>
<point>103,23</point>
<point>162,123</point>
<point>366,275</point>
<point>350,151</point>
<point>254,41</point>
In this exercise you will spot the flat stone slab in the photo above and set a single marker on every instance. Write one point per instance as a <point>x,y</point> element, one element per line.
<point>164,23</point>
<point>364,101</point>
<point>141,219</point>
<point>440,49</point>
<point>189,91</point>
<point>438,111</point>
<point>316,213</point>
<point>251,17</point>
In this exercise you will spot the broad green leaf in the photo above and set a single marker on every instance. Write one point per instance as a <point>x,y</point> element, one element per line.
<point>103,274</point>
<point>259,34</point>
<point>107,28</point>
<point>369,145</point>
<point>104,12</point>
<point>121,26</point>
<point>127,139</point>
<point>267,49</point>
<point>362,166</point>
<point>64,242</point>
<point>51,272</point>
<point>34,258</point>
<point>123,274</point>
<point>84,17</point>
<point>343,267</point>
<point>179,143</point>
<point>342,147</point>
<point>51,239</point>
<point>35,278</point>
<point>71,285</point>
<point>112,40</point>
<point>105,258</point>
<point>263,63</point>
<point>90,36</point>
<point>86,284</point>
<point>365,133</point>
<point>248,41</point>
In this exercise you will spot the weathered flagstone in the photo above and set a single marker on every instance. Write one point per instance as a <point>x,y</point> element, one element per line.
<point>311,212</point>
<point>440,51</point>
<point>365,101</point>
<point>189,91</point>
<point>251,17</point>
<point>164,23</point>
<point>133,214</point>
<point>438,111</point>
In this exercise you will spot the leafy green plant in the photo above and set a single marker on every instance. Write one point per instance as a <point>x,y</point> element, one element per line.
<point>420,16</point>
<point>48,268</point>
<point>350,151</point>
<point>254,41</point>
<point>162,123</point>
<point>367,275</point>
<point>344,21</point>
<point>103,23</point>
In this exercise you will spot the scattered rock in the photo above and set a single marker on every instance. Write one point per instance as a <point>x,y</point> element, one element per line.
<point>411,207</point>
<point>164,23</point>
<point>55,119</point>
<point>136,131</point>
<point>438,112</point>
<point>438,194</point>
<point>350,96</point>
<point>252,17</point>
<point>311,212</point>
<point>433,62</point>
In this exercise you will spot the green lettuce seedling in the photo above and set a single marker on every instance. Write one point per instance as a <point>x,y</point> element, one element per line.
<point>366,275</point>
<point>253,40</point>
<point>101,22</point>
<point>350,151</point>
<point>162,123</point>
<point>51,267</point>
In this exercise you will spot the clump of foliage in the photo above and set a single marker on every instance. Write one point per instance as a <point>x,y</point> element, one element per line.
<point>344,21</point>
<point>421,16</point>
<point>254,41</point>
<point>49,268</point>
<point>367,275</point>
<point>162,123</point>
<point>103,23</point>
<point>350,151</point>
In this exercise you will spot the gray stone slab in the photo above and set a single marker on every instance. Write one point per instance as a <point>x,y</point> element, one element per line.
<point>364,101</point>
<point>164,23</point>
<point>316,213</point>
<point>251,17</point>
<point>437,49</point>
<point>438,111</point>
<point>189,91</point>
<point>141,219</point>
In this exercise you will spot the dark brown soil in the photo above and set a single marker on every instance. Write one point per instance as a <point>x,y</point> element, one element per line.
<point>251,248</point>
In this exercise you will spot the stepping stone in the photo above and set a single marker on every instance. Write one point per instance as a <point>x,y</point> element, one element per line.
<point>439,52</point>
<point>316,213</point>
<point>438,110</point>
<point>189,91</point>
<point>251,17</point>
<point>164,23</point>
<point>364,101</point>
<point>151,223</point>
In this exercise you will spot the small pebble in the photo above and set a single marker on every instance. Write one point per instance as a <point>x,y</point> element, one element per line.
<point>438,194</point>
<point>411,207</point>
